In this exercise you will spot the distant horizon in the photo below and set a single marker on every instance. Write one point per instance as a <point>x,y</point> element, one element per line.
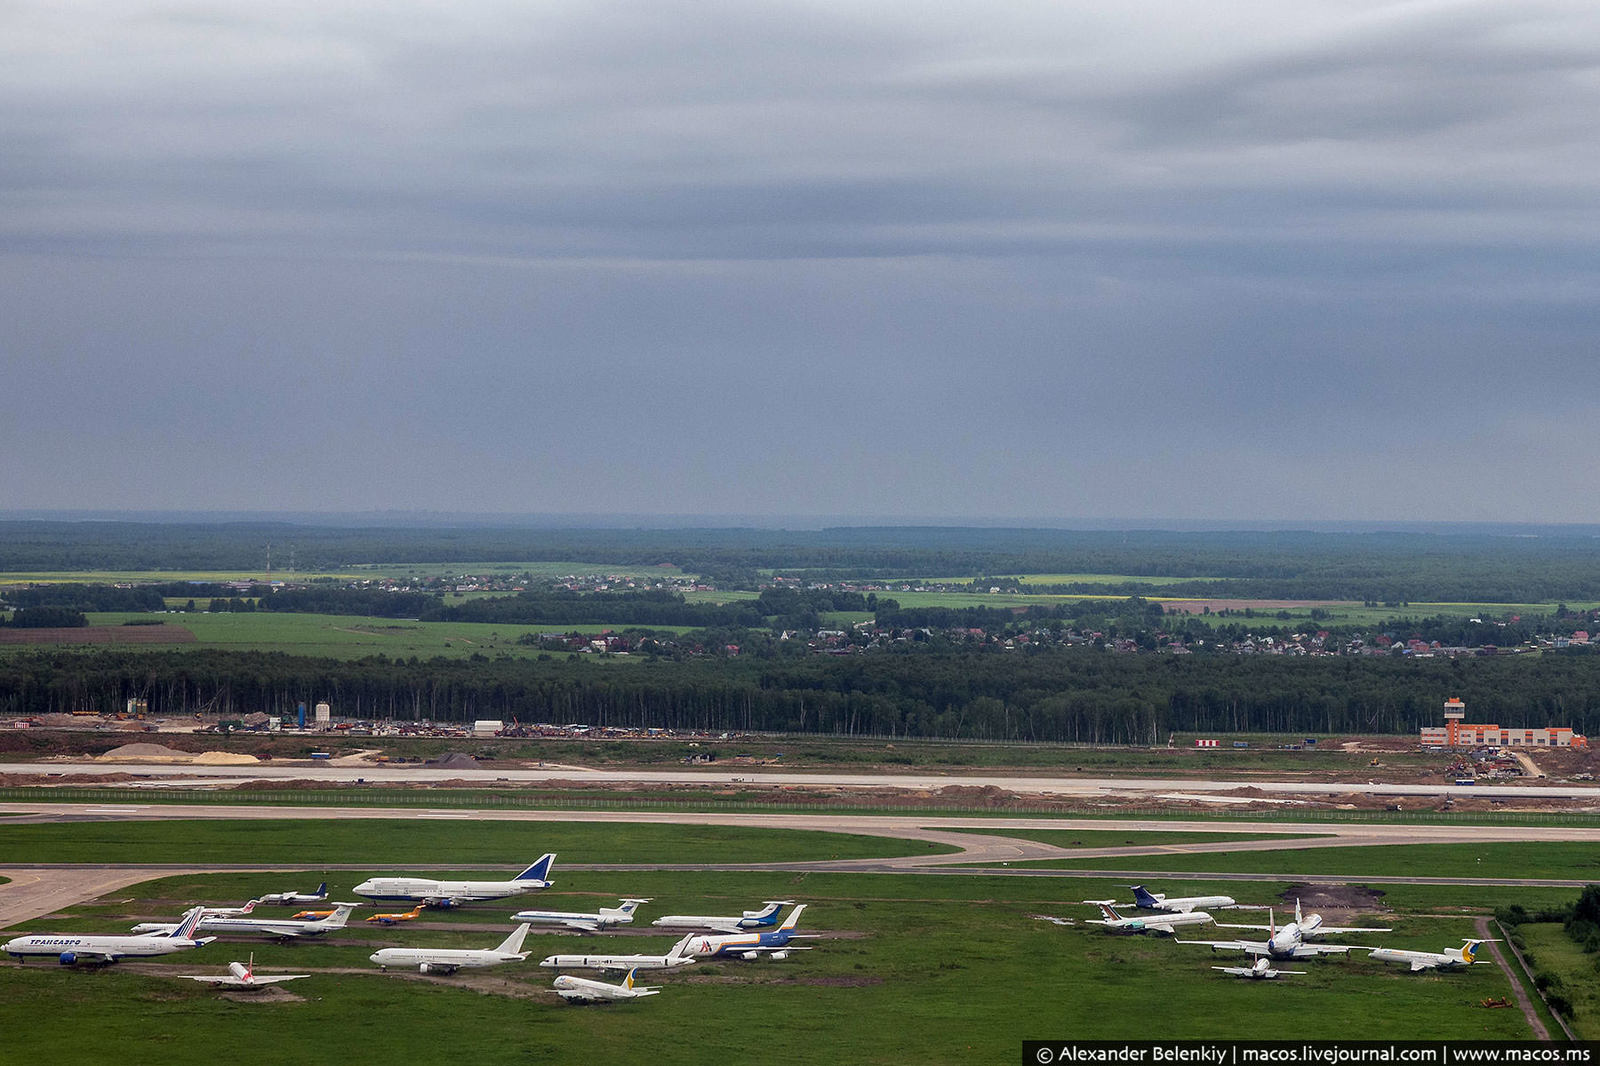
<point>401,518</point>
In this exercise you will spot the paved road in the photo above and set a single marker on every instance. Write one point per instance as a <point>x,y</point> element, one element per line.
<point>187,775</point>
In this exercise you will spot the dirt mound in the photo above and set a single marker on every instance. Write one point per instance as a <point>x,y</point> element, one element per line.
<point>455,760</point>
<point>145,751</point>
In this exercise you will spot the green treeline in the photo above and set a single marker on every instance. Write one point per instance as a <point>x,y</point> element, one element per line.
<point>1072,695</point>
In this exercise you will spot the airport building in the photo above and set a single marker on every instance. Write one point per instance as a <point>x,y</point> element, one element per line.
<point>1458,733</point>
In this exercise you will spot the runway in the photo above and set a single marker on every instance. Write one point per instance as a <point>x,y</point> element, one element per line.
<point>157,775</point>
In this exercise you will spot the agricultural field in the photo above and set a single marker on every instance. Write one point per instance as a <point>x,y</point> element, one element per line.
<point>920,968</point>
<point>349,636</point>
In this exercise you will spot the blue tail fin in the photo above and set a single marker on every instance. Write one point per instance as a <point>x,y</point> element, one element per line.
<point>1144,899</point>
<point>539,871</point>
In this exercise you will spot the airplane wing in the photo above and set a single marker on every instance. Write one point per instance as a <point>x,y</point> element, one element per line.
<point>1311,951</point>
<point>1324,930</point>
<point>1420,964</point>
<point>273,979</point>
<point>582,926</point>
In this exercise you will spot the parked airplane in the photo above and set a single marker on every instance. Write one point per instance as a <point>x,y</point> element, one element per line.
<point>1160,901</point>
<point>450,893</point>
<point>254,926</point>
<point>313,915</point>
<point>231,912</point>
<point>449,960</point>
<point>764,918</point>
<point>290,899</point>
<point>583,990</point>
<point>243,975</point>
<point>70,948</point>
<point>602,919</point>
<point>1260,970</point>
<point>1449,959</point>
<point>751,945</point>
<point>1164,924</point>
<point>393,919</point>
<point>1288,942</point>
<point>675,957</point>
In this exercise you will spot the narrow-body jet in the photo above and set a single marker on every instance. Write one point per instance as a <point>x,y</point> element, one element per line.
<point>1449,959</point>
<point>582,990</point>
<point>774,943</point>
<point>765,918</point>
<point>584,922</point>
<point>1162,924</point>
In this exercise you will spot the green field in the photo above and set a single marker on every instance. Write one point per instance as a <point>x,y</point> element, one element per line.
<point>1548,949</point>
<point>348,636</point>
<point>431,840</point>
<point>1491,859</point>
<point>914,968</point>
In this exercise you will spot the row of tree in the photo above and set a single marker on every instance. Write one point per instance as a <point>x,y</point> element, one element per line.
<point>1073,695</point>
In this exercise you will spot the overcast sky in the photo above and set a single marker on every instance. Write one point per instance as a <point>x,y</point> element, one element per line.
<point>1235,260</point>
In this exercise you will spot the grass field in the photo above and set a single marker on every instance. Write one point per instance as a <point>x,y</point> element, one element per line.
<point>1116,838</point>
<point>353,636</point>
<point>1550,950</point>
<point>1489,859</point>
<point>914,968</point>
<point>429,840</point>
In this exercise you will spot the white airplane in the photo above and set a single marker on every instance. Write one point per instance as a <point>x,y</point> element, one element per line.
<point>243,975</point>
<point>253,926</point>
<point>583,990</point>
<point>751,945</point>
<point>1164,924</point>
<point>231,912</point>
<point>677,956</point>
<point>600,920</point>
<point>450,893</point>
<point>764,918</point>
<point>1160,901</point>
<point>1449,959</point>
<point>292,899</point>
<point>449,960</point>
<point>1290,941</point>
<point>69,948</point>
<point>1260,970</point>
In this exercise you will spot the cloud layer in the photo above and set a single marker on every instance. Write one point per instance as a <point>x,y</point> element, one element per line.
<point>1210,260</point>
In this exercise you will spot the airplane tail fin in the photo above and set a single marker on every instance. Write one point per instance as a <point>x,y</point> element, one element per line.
<point>681,948</point>
<point>190,922</point>
<point>322,891</point>
<point>1298,920</point>
<point>513,943</point>
<point>1469,951</point>
<point>540,870</point>
<point>1109,912</point>
<point>794,917</point>
<point>628,906</point>
<point>341,915</point>
<point>1143,898</point>
<point>627,982</point>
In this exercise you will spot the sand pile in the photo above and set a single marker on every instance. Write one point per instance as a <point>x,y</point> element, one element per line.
<point>145,753</point>
<point>223,758</point>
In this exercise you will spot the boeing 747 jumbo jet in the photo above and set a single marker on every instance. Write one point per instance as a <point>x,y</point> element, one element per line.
<point>1162,924</point>
<point>765,918</point>
<point>243,975</point>
<point>450,893</point>
<point>603,919</point>
<point>583,990</point>
<point>294,899</point>
<point>1288,942</point>
<point>1260,970</point>
<point>449,960</point>
<point>751,945</point>
<point>254,926</point>
<point>1449,959</point>
<point>674,958</point>
<point>69,948</point>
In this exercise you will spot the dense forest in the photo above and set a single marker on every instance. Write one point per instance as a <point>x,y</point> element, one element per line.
<point>1072,695</point>
<point>1467,566</point>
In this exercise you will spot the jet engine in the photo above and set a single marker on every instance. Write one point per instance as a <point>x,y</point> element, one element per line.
<point>748,955</point>
<point>779,955</point>
<point>68,958</point>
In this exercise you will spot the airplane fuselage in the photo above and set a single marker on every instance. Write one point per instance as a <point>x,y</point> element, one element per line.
<point>443,960</point>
